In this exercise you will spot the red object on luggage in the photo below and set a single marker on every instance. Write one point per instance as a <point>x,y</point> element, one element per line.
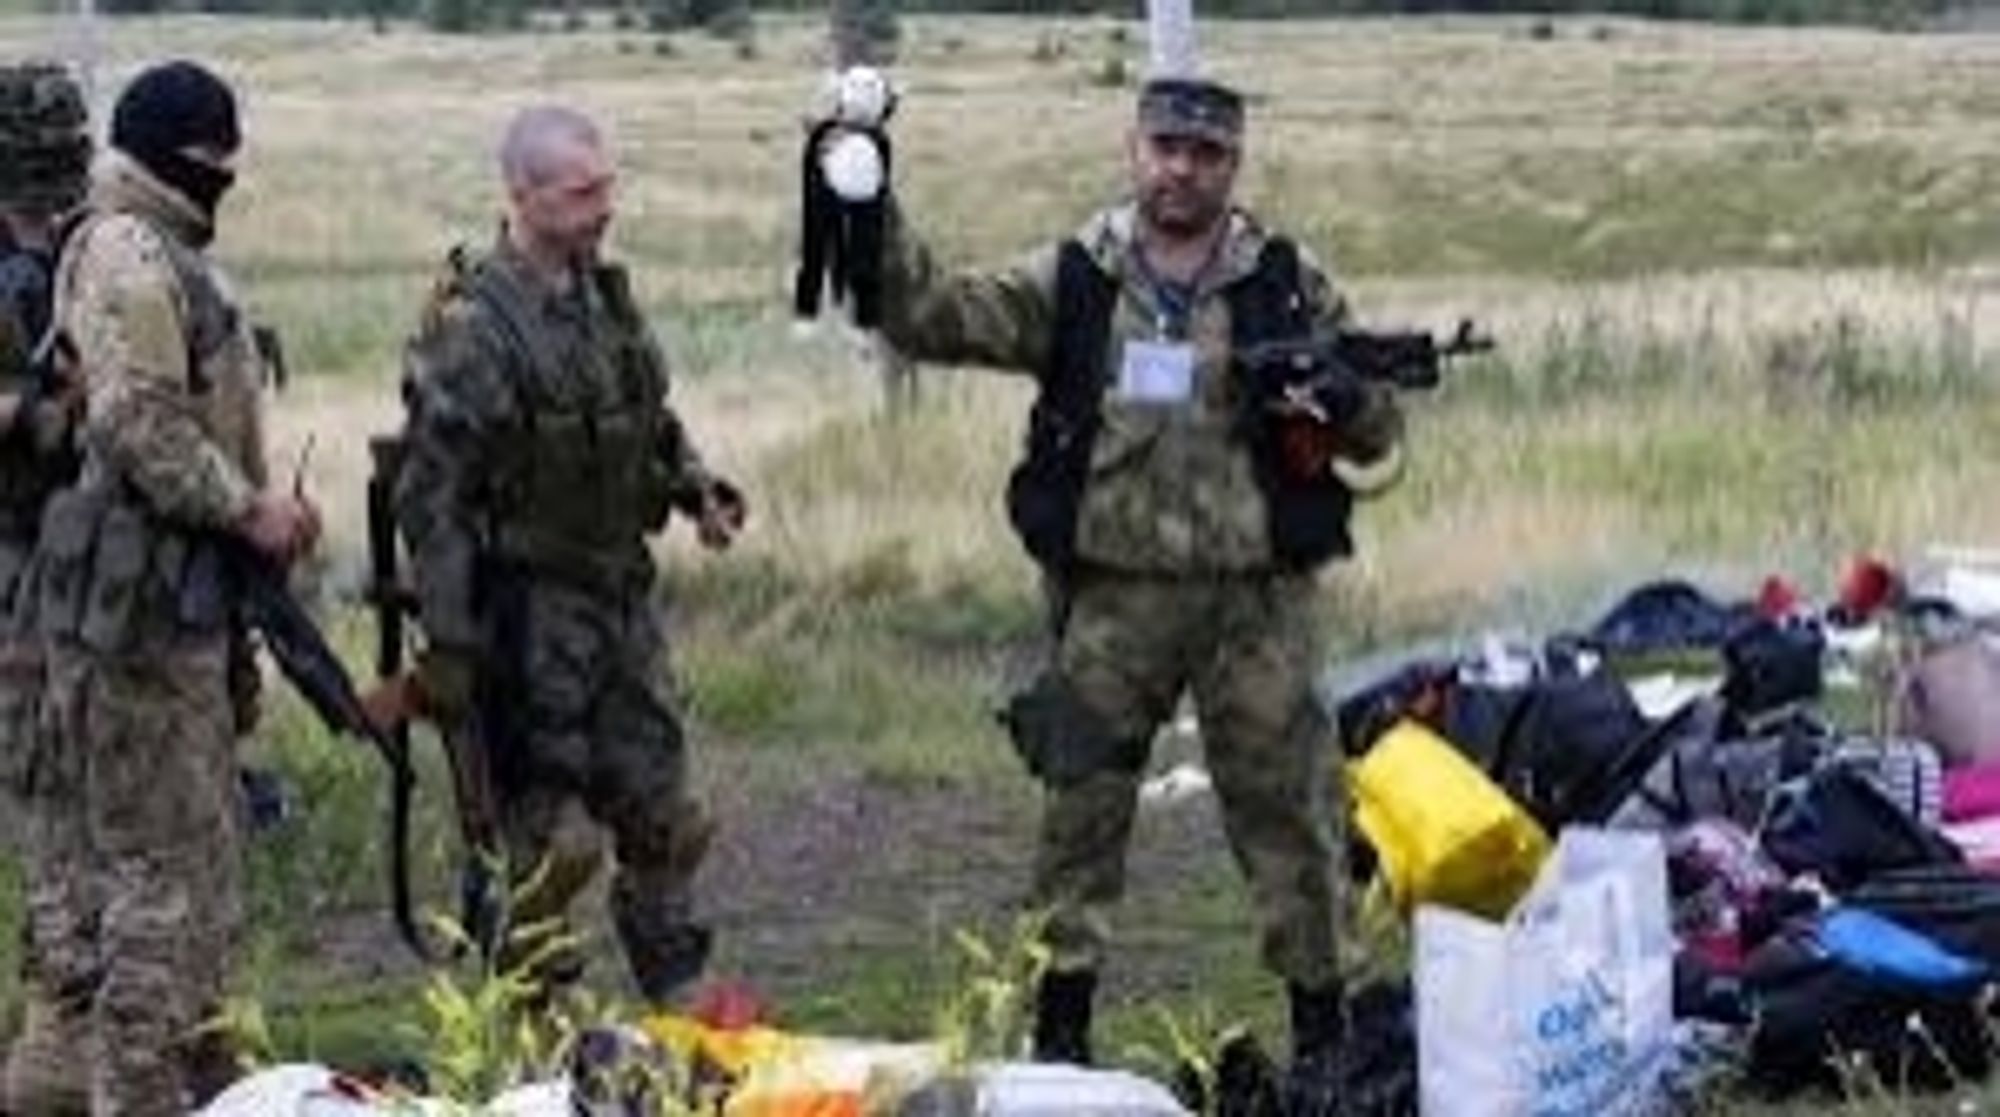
<point>728,1006</point>
<point>1869,585</point>
<point>1777,598</point>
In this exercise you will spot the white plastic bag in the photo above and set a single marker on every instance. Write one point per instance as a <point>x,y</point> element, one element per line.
<point>1564,1010</point>
<point>295,1090</point>
<point>308,1090</point>
<point>1035,1090</point>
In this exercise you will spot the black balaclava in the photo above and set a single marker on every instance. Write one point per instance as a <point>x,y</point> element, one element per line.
<point>174,106</point>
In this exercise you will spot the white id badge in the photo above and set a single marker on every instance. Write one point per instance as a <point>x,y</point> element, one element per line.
<point>1156,372</point>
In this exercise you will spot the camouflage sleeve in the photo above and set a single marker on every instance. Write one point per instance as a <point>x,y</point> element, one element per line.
<point>1003,319</point>
<point>685,475</point>
<point>458,402</point>
<point>1374,436</point>
<point>126,315</point>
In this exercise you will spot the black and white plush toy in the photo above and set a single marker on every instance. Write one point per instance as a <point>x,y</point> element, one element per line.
<point>844,191</point>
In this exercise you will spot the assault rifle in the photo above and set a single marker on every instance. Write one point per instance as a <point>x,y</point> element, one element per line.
<point>1304,392</point>
<point>308,662</point>
<point>468,748</point>
<point>1323,372</point>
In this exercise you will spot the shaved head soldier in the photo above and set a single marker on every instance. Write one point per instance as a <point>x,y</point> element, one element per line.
<point>538,455</point>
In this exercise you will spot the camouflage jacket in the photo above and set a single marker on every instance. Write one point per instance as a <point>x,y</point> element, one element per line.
<point>171,375</point>
<point>538,433</point>
<point>1171,490</point>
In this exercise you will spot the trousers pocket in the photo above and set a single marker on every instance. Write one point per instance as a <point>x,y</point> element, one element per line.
<point>111,610</point>
<point>17,737</point>
<point>61,571</point>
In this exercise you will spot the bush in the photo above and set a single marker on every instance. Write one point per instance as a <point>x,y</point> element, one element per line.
<point>453,16</point>
<point>663,16</point>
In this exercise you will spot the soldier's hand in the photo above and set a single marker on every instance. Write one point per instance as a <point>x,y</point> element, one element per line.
<point>392,702</point>
<point>280,524</point>
<point>723,514</point>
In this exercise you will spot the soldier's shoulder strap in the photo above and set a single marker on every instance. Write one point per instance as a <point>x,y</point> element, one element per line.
<point>1085,300</point>
<point>500,296</point>
<point>644,382</point>
<point>614,286</point>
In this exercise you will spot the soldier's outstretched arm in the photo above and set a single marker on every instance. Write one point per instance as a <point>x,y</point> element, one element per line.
<point>127,318</point>
<point>457,398</point>
<point>1002,319</point>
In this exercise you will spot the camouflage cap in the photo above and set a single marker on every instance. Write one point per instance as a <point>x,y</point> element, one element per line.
<point>1191,107</point>
<point>44,137</point>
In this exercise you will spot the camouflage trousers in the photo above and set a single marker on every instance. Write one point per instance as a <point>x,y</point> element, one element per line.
<point>42,1074</point>
<point>1245,647</point>
<point>20,706</point>
<point>20,690</point>
<point>139,938</point>
<point>603,751</point>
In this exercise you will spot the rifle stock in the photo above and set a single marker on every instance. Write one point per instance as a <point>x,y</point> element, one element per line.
<point>466,754</point>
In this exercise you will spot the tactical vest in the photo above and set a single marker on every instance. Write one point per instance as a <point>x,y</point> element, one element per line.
<point>108,571</point>
<point>576,488</point>
<point>1308,519</point>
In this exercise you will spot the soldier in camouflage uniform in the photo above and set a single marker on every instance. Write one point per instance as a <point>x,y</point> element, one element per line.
<point>44,161</point>
<point>132,597</point>
<point>539,453</point>
<point>1181,540</point>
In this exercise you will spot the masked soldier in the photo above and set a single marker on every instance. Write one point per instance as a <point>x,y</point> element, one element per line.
<point>538,455</point>
<point>134,599</point>
<point>1180,523</point>
<point>44,164</point>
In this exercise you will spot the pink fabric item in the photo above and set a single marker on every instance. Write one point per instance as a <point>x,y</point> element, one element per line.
<point>1979,841</point>
<point>1972,792</point>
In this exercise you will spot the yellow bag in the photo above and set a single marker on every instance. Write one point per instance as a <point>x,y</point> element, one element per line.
<point>1444,833</point>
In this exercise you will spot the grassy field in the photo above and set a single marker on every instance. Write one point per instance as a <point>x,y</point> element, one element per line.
<point>1744,282</point>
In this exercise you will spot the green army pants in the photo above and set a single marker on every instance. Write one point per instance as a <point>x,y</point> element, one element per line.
<point>1245,647</point>
<point>601,738</point>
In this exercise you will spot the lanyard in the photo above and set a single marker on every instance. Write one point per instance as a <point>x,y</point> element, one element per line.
<point>1174,301</point>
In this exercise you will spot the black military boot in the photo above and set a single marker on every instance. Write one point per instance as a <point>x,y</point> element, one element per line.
<point>669,961</point>
<point>1062,1017</point>
<point>1242,1081</point>
<point>1314,1084</point>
